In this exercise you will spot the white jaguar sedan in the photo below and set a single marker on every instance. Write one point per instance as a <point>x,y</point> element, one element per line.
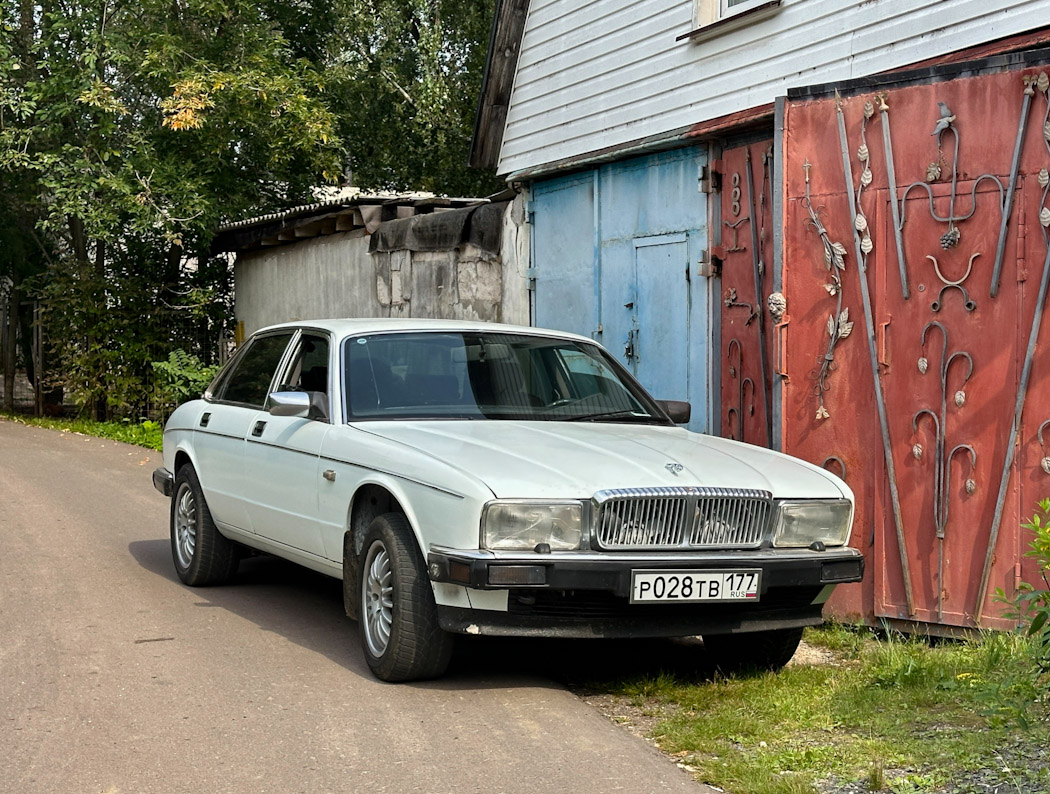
<point>488,479</point>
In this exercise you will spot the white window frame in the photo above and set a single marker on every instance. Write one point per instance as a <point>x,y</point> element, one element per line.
<point>709,12</point>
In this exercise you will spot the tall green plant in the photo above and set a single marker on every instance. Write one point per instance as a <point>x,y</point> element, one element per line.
<point>180,378</point>
<point>1027,693</point>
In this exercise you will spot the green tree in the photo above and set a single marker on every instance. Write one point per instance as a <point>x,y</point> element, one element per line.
<point>136,129</point>
<point>130,131</point>
<point>409,75</point>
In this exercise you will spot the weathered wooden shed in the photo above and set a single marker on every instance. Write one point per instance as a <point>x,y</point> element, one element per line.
<point>867,190</point>
<point>380,256</point>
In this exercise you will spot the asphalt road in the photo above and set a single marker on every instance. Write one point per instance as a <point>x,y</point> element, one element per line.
<point>115,678</point>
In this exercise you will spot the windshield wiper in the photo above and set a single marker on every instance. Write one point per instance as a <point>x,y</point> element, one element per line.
<point>607,415</point>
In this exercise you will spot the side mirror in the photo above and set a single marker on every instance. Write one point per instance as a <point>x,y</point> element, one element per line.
<point>679,410</point>
<point>303,404</point>
<point>290,403</point>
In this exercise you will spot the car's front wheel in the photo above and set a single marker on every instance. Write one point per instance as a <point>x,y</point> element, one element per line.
<point>757,650</point>
<point>202,555</point>
<point>400,634</point>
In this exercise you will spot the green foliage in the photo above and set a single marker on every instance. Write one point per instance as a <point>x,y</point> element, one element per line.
<point>182,377</point>
<point>130,132</point>
<point>1024,696</point>
<point>408,73</point>
<point>144,434</point>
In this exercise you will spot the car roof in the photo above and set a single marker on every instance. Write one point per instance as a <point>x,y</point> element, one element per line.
<point>365,325</point>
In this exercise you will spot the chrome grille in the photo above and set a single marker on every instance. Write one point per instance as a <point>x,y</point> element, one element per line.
<point>682,518</point>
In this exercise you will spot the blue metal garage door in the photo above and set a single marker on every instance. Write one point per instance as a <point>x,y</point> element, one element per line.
<point>615,252</point>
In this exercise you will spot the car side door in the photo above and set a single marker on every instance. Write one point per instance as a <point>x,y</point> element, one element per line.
<point>224,423</point>
<point>282,453</point>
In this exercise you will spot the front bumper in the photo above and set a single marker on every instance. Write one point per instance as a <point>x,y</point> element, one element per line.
<point>587,594</point>
<point>611,571</point>
<point>163,481</point>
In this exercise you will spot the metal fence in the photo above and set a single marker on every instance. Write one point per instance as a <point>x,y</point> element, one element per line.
<point>32,393</point>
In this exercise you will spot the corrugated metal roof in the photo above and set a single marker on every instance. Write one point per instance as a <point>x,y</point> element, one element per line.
<point>397,199</point>
<point>338,214</point>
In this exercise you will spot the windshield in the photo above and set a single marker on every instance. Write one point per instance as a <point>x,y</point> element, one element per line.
<point>474,375</point>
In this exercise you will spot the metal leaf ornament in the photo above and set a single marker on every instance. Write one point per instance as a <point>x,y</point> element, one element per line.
<point>1045,463</point>
<point>861,223</point>
<point>862,152</point>
<point>1044,178</point>
<point>916,451</point>
<point>933,172</point>
<point>866,244</point>
<point>869,110</point>
<point>924,365</point>
<point>1044,216</point>
<point>831,325</point>
<point>971,486</point>
<point>833,289</point>
<point>865,177</point>
<point>960,398</point>
<point>845,326</point>
<point>1043,82</point>
<point>822,413</point>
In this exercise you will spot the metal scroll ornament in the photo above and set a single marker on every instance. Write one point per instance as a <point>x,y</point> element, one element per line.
<point>873,359</point>
<point>1044,462</point>
<point>1032,83</point>
<point>942,459</point>
<point>937,170</point>
<point>735,413</point>
<point>838,325</point>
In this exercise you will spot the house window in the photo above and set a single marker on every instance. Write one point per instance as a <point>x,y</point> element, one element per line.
<point>713,17</point>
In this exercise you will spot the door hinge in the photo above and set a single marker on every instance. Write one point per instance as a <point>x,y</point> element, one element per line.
<point>708,266</point>
<point>711,177</point>
<point>530,279</point>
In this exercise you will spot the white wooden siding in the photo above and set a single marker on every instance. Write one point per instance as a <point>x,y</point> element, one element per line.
<point>598,74</point>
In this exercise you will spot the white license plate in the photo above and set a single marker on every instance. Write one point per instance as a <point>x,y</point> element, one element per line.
<point>691,586</point>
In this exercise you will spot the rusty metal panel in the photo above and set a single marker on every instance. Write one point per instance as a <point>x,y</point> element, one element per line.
<point>829,413</point>
<point>747,328</point>
<point>908,383</point>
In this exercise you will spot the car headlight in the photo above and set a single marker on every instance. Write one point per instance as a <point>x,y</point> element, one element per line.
<point>800,524</point>
<point>524,525</point>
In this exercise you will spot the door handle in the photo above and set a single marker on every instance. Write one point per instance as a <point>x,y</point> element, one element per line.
<point>884,334</point>
<point>258,429</point>
<point>205,419</point>
<point>780,343</point>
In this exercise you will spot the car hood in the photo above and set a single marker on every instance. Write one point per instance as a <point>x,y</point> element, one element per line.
<point>577,459</point>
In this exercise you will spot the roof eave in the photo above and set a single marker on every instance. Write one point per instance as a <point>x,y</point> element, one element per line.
<point>508,27</point>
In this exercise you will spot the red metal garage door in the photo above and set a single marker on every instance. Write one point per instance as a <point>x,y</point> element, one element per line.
<point>746,253</point>
<point>912,273</point>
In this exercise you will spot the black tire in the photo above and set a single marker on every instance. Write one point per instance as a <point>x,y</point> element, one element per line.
<point>758,651</point>
<point>397,617</point>
<point>201,554</point>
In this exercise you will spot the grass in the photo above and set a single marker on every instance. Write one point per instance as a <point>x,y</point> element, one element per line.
<point>144,434</point>
<point>898,715</point>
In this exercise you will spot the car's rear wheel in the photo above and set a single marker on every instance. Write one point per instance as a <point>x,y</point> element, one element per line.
<point>757,650</point>
<point>400,634</point>
<point>202,555</point>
